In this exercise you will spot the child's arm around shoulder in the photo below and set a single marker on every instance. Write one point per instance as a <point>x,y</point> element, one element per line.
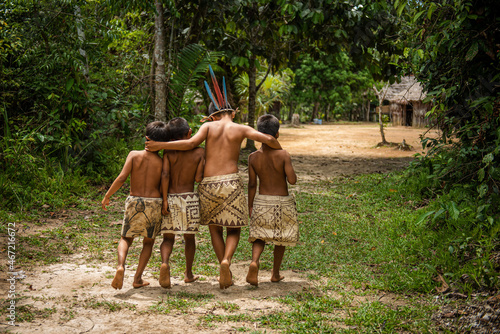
<point>200,154</point>
<point>289,171</point>
<point>181,145</point>
<point>120,179</point>
<point>252,182</point>
<point>165,182</point>
<point>253,134</point>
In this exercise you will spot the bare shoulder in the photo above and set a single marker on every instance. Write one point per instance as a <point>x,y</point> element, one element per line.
<point>199,152</point>
<point>134,154</point>
<point>254,155</point>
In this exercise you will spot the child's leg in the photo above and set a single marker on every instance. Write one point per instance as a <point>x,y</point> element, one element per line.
<point>279,251</point>
<point>165,250</point>
<point>189,250</point>
<point>253,270</point>
<point>123,247</point>
<point>217,241</point>
<point>147,248</point>
<point>232,239</point>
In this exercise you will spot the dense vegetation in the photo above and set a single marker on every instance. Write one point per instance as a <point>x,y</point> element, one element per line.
<point>78,80</point>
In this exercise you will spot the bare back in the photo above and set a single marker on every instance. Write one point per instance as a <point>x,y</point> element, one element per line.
<point>222,148</point>
<point>273,168</point>
<point>186,167</point>
<point>145,175</point>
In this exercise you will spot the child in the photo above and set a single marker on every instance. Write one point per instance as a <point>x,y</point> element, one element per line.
<point>273,213</point>
<point>183,168</point>
<point>143,205</point>
<point>222,199</point>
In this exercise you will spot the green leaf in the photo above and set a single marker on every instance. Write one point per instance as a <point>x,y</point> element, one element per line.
<point>401,8</point>
<point>472,51</point>
<point>480,174</point>
<point>69,84</point>
<point>451,249</point>
<point>432,8</point>
<point>483,189</point>
<point>423,217</point>
<point>417,16</point>
<point>488,158</point>
<point>453,210</point>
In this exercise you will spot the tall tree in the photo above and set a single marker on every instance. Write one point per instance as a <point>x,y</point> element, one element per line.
<point>159,64</point>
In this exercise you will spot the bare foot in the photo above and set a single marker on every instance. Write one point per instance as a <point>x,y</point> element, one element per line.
<point>225,280</point>
<point>164,276</point>
<point>276,279</point>
<point>139,284</point>
<point>118,280</point>
<point>190,278</point>
<point>253,274</point>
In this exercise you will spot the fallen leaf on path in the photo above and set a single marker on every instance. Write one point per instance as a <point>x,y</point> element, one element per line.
<point>444,287</point>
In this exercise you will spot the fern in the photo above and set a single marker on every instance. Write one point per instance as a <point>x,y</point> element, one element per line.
<point>190,66</point>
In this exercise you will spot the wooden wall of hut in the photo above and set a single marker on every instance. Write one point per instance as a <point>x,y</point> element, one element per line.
<point>412,114</point>
<point>396,114</point>
<point>419,111</point>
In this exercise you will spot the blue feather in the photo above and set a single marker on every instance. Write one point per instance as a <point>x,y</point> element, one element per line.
<point>225,93</point>
<point>210,95</point>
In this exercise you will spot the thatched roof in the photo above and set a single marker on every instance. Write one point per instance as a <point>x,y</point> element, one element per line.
<point>408,90</point>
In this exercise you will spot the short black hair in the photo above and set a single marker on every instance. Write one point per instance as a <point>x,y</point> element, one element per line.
<point>212,109</point>
<point>157,131</point>
<point>178,128</point>
<point>268,124</point>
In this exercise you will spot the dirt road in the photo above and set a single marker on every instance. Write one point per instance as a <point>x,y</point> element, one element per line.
<point>323,151</point>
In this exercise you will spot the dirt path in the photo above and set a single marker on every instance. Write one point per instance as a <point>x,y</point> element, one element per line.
<point>75,296</point>
<point>322,151</point>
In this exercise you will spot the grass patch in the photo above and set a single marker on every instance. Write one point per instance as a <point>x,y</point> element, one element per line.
<point>181,301</point>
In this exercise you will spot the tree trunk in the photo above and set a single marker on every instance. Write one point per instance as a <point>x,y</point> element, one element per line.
<point>159,59</point>
<point>290,112</point>
<point>252,94</point>
<point>276,108</point>
<point>81,38</point>
<point>380,101</point>
<point>368,110</point>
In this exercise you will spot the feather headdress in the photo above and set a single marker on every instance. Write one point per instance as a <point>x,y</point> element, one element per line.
<point>219,98</point>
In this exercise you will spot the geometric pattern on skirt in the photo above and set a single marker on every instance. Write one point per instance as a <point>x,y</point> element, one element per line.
<point>142,217</point>
<point>274,220</point>
<point>223,201</point>
<point>184,217</point>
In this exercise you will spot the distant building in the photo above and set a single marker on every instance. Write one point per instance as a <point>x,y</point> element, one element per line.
<point>405,103</point>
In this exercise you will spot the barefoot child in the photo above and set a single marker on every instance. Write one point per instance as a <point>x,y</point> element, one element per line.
<point>222,199</point>
<point>273,214</point>
<point>183,168</point>
<point>143,205</point>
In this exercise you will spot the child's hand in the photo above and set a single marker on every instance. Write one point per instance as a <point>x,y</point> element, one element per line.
<point>152,145</point>
<point>164,208</point>
<point>105,202</point>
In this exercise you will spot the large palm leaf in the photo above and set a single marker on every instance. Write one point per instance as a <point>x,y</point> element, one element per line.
<point>190,66</point>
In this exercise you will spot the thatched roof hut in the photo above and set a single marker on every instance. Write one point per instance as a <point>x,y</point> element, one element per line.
<point>405,102</point>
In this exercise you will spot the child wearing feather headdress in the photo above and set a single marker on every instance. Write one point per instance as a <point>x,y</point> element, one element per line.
<point>222,200</point>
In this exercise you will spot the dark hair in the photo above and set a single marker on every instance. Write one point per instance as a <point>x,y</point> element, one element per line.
<point>268,124</point>
<point>157,131</point>
<point>212,109</point>
<point>178,128</point>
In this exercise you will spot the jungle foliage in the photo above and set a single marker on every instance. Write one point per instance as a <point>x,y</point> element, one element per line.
<point>455,54</point>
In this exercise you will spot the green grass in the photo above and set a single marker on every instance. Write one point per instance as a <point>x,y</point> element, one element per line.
<point>181,302</point>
